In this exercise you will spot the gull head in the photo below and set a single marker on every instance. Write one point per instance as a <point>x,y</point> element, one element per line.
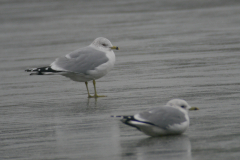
<point>181,105</point>
<point>104,44</point>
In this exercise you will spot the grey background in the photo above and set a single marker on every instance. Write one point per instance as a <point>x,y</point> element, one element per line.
<point>168,49</point>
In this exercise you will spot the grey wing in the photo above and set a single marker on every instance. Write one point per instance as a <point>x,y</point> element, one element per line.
<point>80,61</point>
<point>162,117</point>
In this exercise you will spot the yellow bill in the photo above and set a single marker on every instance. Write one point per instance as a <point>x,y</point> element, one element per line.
<point>114,47</point>
<point>193,108</point>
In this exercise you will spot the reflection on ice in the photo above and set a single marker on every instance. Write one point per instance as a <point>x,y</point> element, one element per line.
<point>168,147</point>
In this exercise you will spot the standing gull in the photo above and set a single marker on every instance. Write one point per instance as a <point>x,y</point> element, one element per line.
<point>165,120</point>
<point>83,65</point>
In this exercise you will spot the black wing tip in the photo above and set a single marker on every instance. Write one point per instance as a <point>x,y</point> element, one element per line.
<point>126,119</point>
<point>41,70</point>
<point>31,70</point>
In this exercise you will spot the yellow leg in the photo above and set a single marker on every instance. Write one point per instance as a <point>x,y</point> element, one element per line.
<point>95,90</point>
<point>89,96</point>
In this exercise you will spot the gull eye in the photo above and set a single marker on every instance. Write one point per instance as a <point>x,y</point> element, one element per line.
<point>183,106</point>
<point>104,44</point>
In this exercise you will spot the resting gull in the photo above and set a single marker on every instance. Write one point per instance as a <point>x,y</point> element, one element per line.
<point>164,120</point>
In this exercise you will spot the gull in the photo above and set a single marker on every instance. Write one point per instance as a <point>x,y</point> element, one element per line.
<point>83,65</point>
<point>170,119</point>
